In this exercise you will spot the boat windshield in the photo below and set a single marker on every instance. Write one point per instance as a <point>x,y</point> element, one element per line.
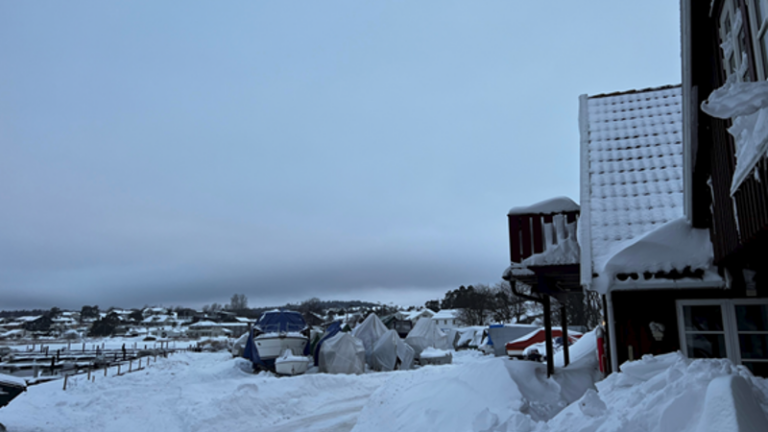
<point>281,321</point>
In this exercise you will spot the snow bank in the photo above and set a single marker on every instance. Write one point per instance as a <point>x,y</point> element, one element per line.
<point>441,399</point>
<point>12,380</point>
<point>670,393</point>
<point>582,354</point>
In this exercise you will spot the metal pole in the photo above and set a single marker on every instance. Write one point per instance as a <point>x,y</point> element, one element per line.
<point>548,330</point>
<point>564,326</point>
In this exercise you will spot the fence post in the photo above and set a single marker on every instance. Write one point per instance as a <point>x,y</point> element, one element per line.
<point>65,382</point>
<point>130,366</point>
<point>118,368</point>
<point>89,373</point>
<point>139,363</point>
<point>106,368</point>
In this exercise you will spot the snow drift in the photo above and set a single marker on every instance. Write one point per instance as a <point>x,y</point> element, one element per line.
<point>671,393</point>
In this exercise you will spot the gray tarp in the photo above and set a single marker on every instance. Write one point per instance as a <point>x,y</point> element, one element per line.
<point>388,350</point>
<point>342,353</point>
<point>425,334</point>
<point>369,331</point>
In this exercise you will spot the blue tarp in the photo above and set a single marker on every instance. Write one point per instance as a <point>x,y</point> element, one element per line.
<point>281,321</point>
<point>251,353</point>
<point>330,332</point>
<point>490,342</point>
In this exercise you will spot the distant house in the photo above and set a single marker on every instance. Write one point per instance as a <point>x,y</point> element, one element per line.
<point>447,319</point>
<point>149,311</point>
<point>208,329</point>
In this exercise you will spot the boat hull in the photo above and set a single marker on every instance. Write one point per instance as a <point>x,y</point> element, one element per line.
<point>291,367</point>
<point>272,347</point>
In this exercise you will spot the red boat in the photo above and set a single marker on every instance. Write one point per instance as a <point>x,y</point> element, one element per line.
<point>516,347</point>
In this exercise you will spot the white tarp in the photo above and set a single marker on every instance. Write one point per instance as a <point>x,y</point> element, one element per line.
<point>425,334</point>
<point>369,331</point>
<point>342,353</point>
<point>388,350</point>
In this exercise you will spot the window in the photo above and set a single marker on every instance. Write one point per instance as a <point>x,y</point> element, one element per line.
<point>733,41</point>
<point>733,329</point>
<point>759,24</point>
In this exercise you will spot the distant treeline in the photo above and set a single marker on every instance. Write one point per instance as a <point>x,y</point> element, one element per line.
<point>317,305</point>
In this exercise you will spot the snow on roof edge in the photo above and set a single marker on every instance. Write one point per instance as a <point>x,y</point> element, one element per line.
<point>550,206</point>
<point>633,91</point>
<point>672,246</point>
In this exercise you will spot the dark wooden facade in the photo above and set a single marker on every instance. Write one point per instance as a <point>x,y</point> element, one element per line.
<point>738,224</point>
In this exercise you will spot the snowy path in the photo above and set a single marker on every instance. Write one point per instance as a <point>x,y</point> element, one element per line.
<point>337,416</point>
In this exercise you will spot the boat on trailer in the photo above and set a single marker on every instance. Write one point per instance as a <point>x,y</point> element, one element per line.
<point>275,332</point>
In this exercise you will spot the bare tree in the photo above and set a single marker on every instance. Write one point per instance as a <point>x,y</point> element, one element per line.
<point>478,303</point>
<point>238,302</point>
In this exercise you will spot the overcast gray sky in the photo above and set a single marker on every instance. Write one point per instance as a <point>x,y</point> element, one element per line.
<point>179,152</point>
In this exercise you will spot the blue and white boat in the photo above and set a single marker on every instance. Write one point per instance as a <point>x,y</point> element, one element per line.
<point>275,332</point>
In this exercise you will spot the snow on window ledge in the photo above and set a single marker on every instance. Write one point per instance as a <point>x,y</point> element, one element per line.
<point>746,103</point>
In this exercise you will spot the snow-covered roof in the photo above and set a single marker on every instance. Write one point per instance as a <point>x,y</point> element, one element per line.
<point>631,178</point>
<point>550,206</point>
<point>204,324</point>
<point>446,314</point>
<point>28,318</point>
<point>417,313</point>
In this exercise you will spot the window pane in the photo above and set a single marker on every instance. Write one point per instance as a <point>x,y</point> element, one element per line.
<point>703,318</point>
<point>763,46</point>
<point>762,12</point>
<point>752,317</point>
<point>706,346</point>
<point>758,368</point>
<point>753,346</point>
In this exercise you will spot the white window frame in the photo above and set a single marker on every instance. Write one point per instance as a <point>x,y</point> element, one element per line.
<point>758,30</point>
<point>730,326</point>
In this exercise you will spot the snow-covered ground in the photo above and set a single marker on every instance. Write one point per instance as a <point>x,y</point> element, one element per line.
<point>213,392</point>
